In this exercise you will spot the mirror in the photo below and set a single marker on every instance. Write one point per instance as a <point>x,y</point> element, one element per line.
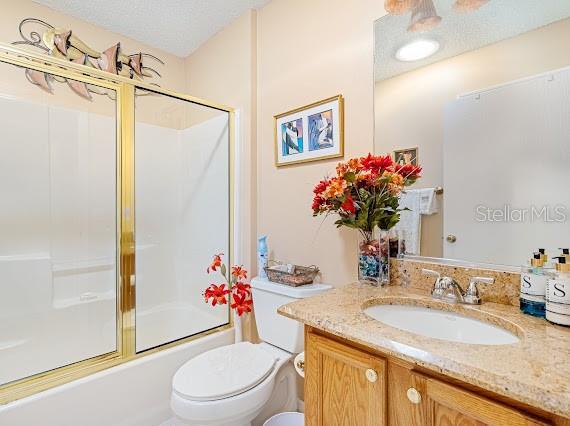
<point>478,93</point>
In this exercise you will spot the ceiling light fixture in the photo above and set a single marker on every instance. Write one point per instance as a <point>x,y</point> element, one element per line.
<point>417,49</point>
<point>424,17</point>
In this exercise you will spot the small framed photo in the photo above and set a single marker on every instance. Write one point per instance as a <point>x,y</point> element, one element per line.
<point>310,133</point>
<point>406,156</point>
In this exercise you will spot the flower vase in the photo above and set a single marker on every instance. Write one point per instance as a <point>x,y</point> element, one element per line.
<point>374,257</point>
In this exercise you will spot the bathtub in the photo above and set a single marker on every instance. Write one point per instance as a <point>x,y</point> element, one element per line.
<point>69,314</point>
<point>136,393</point>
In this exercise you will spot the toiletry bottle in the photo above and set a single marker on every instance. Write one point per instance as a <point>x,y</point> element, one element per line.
<point>533,287</point>
<point>543,256</point>
<point>262,256</point>
<point>558,293</point>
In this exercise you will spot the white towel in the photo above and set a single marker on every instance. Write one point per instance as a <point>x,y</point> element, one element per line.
<point>410,223</point>
<point>428,201</point>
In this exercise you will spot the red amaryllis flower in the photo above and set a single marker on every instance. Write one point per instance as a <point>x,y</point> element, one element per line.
<point>376,163</point>
<point>318,201</point>
<point>242,289</point>
<point>239,272</point>
<point>241,304</point>
<point>321,186</point>
<point>216,263</point>
<point>239,291</point>
<point>217,293</point>
<point>348,205</point>
<point>409,171</point>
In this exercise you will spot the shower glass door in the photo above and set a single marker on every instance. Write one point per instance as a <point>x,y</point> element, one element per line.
<point>58,226</point>
<point>182,204</point>
<point>114,196</point>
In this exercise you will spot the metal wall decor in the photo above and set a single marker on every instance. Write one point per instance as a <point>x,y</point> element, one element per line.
<point>63,44</point>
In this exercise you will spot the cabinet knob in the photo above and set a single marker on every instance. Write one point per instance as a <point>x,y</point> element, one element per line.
<point>414,396</point>
<point>371,375</point>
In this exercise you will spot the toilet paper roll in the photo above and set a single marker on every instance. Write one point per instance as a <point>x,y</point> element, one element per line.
<point>300,364</point>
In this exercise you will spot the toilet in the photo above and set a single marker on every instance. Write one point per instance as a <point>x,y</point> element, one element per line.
<point>244,384</point>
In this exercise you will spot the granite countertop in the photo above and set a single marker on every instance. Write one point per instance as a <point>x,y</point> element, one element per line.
<point>535,371</point>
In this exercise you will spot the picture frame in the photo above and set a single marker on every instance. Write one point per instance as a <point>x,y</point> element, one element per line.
<point>310,133</point>
<point>406,156</point>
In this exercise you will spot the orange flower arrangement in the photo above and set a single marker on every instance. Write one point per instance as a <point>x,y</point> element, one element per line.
<point>365,193</point>
<point>237,287</point>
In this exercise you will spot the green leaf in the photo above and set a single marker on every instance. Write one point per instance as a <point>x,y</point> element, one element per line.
<point>362,217</point>
<point>223,269</point>
<point>363,194</point>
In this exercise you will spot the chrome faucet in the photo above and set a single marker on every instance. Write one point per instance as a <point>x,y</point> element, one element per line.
<point>448,289</point>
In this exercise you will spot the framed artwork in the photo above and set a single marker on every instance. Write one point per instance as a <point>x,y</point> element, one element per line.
<point>406,156</point>
<point>310,133</point>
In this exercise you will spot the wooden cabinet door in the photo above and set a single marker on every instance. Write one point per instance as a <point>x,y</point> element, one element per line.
<point>401,410</point>
<point>448,405</point>
<point>343,385</point>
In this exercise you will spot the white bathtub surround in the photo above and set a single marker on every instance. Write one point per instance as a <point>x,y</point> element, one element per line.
<point>182,220</point>
<point>58,245</point>
<point>133,394</point>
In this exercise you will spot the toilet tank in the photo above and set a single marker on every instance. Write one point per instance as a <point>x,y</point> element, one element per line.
<point>276,329</point>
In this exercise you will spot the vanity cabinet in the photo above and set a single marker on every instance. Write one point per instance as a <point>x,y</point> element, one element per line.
<point>343,385</point>
<point>346,385</point>
<point>415,399</point>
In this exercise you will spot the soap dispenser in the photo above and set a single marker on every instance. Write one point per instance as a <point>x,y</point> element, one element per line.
<point>558,293</point>
<point>533,287</point>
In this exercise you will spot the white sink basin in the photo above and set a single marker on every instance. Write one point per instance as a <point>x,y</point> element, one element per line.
<point>442,325</point>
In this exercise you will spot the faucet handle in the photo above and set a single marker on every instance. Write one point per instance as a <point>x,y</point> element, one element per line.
<point>436,290</point>
<point>472,293</point>
<point>431,272</point>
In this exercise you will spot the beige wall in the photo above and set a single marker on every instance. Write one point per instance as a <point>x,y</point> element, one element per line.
<point>286,55</point>
<point>409,112</point>
<point>311,50</point>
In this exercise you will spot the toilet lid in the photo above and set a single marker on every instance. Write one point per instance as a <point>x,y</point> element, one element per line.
<point>223,372</point>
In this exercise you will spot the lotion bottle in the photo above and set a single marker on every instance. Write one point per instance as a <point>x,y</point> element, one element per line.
<point>533,287</point>
<point>558,293</point>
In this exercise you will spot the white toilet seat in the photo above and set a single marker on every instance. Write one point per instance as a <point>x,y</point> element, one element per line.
<point>238,408</point>
<point>223,372</point>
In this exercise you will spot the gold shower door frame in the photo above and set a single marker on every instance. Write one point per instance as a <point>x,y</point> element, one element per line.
<point>125,218</point>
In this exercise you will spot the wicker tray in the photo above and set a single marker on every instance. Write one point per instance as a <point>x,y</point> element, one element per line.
<point>301,276</point>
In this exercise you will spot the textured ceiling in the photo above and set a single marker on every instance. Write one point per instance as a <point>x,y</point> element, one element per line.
<point>175,26</point>
<point>462,32</point>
